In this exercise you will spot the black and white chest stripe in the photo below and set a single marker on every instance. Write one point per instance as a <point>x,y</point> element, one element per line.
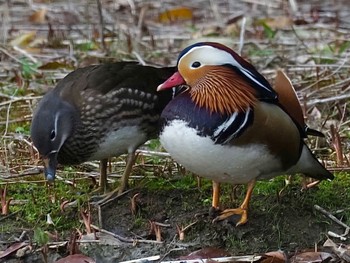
<point>232,127</point>
<point>221,128</point>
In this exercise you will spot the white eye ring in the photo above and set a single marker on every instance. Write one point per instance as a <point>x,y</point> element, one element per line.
<point>196,64</point>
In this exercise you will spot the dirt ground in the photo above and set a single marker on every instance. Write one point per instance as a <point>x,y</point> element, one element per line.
<point>282,225</point>
<point>288,222</point>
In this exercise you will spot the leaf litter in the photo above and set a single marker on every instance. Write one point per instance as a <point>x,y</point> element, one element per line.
<point>41,42</point>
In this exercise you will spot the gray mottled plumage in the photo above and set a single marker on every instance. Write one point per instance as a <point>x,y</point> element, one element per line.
<point>97,112</point>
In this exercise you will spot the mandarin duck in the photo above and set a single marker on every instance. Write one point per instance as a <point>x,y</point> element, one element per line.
<point>288,98</point>
<point>98,112</point>
<point>229,124</point>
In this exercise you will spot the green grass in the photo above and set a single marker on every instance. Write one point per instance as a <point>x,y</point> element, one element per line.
<point>41,200</point>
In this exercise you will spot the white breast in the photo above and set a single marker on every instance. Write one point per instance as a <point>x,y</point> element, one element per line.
<point>123,140</point>
<point>222,163</point>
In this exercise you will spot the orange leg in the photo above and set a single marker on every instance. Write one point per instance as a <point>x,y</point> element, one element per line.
<point>216,195</point>
<point>242,210</point>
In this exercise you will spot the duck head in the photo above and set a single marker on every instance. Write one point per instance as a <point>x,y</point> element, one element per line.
<point>52,124</point>
<point>219,79</point>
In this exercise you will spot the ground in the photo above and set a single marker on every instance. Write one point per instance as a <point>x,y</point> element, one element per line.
<point>43,41</point>
<point>286,221</point>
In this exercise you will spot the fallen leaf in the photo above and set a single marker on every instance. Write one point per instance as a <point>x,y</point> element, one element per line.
<point>23,39</point>
<point>278,22</point>
<point>342,251</point>
<point>312,257</point>
<point>55,65</point>
<point>76,258</point>
<point>175,14</point>
<point>39,16</point>
<point>274,257</point>
<point>12,248</point>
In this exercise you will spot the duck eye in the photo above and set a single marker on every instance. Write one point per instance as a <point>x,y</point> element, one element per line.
<point>196,64</point>
<point>53,135</point>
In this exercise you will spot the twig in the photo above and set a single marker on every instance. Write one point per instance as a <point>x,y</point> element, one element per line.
<point>325,100</point>
<point>9,215</point>
<point>139,58</point>
<point>25,53</point>
<point>181,231</point>
<point>15,99</point>
<point>336,141</point>
<point>345,60</point>
<point>124,239</point>
<point>270,4</point>
<point>293,5</point>
<point>250,258</point>
<point>142,260</point>
<point>341,237</point>
<point>153,153</point>
<point>215,9</point>
<point>102,25</point>
<point>330,216</point>
<point>10,55</point>
<point>241,36</point>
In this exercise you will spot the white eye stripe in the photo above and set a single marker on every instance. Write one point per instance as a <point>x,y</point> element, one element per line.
<point>56,122</point>
<point>212,56</point>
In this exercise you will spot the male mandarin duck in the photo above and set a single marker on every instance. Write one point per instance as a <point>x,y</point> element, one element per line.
<point>229,125</point>
<point>288,98</point>
<point>98,112</point>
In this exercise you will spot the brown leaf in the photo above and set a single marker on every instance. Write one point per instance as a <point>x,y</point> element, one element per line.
<point>55,65</point>
<point>312,257</point>
<point>274,257</point>
<point>342,251</point>
<point>175,14</point>
<point>12,248</point>
<point>39,16</point>
<point>76,258</point>
<point>278,22</point>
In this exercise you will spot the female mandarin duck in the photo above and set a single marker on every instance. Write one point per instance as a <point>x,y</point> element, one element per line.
<point>98,112</point>
<point>230,126</point>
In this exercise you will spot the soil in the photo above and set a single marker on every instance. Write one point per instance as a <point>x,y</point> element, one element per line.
<point>283,224</point>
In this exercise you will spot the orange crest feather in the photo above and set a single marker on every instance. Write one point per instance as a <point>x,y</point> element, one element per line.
<point>224,91</point>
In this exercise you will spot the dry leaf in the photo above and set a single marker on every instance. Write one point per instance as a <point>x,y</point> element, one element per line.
<point>55,65</point>
<point>175,14</point>
<point>312,257</point>
<point>274,257</point>
<point>24,39</point>
<point>342,251</point>
<point>76,258</point>
<point>39,16</point>
<point>278,22</point>
<point>12,249</point>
